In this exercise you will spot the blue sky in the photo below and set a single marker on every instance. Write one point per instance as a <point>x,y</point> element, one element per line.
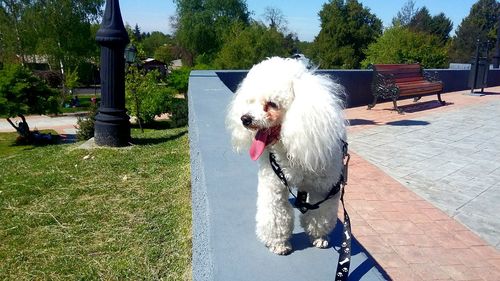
<point>302,15</point>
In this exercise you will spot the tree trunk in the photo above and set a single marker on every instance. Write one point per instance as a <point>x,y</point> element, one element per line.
<point>63,74</point>
<point>137,109</point>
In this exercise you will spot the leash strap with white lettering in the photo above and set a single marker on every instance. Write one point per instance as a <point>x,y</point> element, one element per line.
<point>300,203</point>
<point>345,248</point>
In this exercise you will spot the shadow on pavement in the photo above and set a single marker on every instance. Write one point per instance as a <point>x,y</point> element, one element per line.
<point>358,122</point>
<point>422,106</point>
<point>300,241</point>
<point>408,123</point>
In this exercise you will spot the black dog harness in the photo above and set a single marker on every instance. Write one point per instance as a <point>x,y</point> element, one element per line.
<point>301,203</point>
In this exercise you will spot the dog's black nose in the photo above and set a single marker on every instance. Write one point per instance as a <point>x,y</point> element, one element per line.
<point>246,120</point>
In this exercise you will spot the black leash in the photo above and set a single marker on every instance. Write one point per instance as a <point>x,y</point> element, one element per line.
<point>301,203</point>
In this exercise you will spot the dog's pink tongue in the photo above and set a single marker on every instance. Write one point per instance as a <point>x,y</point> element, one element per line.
<point>258,144</point>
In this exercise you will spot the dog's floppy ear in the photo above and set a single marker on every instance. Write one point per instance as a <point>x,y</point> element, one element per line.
<point>314,123</point>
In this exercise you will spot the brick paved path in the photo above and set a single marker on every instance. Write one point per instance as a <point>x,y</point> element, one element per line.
<point>413,176</point>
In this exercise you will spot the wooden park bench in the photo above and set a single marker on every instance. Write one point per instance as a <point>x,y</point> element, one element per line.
<point>392,81</point>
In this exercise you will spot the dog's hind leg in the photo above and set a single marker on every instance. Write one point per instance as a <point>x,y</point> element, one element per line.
<point>274,216</point>
<point>320,222</point>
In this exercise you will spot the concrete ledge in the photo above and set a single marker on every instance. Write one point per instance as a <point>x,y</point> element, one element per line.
<point>224,205</point>
<point>357,82</point>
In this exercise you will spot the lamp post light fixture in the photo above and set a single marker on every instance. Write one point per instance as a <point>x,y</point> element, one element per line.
<point>112,126</point>
<point>130,54</point>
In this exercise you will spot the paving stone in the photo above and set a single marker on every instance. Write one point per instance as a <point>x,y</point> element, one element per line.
<point>403,273</point>
<point>429,273</point>
<point>460,273</point>
<point>453,163</point>
<point>486,227</point>
<point>411,254</point>
<point>455,174</point>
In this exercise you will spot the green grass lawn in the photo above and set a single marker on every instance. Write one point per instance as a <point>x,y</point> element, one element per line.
<point>102,214</point>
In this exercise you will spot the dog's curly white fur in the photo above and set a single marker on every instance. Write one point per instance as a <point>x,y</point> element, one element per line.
<point>284,108</point>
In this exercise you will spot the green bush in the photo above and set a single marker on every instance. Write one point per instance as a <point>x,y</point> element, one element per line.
<point>179,79</point>
<point>85,125</point>
<point>179,111</point>
<point>23,93</point>
<point>401,45</point>
<point>145,96</point>
<point>71,79</point>
<point>247,45</point>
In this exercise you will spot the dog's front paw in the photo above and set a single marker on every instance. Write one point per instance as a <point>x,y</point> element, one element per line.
<point>321,242</point>
<point>280,248</point>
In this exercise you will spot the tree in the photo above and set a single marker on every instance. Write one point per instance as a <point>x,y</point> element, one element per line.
<point>346,30</point>
<point>200,25</point>
<point>22,93</point>
<point>441,26</point>
<point>405,15</point>
<point>244,46</point>
<point>438,25</point>
<point>164,53</point>
<point>137,33</point>
<point>480,24</point>
<point>155,40</point>
<point>401,45</point>
<point>275,19</point>
<point>60,32</point>
<point>421,21</point>
<point>13,30</point>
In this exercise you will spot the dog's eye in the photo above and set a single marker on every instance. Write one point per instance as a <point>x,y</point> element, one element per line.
<point>272,105</point>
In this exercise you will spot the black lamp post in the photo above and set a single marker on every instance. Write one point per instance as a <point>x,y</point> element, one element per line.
<point>496,57</point>
<point>112,126</point>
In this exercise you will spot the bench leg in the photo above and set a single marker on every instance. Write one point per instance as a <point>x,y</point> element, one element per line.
<point>440,100</point>
<point>370,106</point>
<point>399,110</point>
<point>415,99</point>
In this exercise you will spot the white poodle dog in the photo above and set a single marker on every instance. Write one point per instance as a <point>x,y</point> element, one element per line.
<point>282,107</point>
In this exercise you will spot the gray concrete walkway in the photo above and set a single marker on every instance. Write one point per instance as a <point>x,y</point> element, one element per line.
<point>62,124</point>
<point>451,159</point>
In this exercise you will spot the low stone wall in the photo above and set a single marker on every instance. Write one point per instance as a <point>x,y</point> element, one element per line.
<point>358,82</point>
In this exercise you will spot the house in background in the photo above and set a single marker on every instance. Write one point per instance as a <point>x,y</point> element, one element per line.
<point>150,64</point>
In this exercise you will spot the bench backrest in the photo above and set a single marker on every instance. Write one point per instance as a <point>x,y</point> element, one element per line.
<point>401,72</point>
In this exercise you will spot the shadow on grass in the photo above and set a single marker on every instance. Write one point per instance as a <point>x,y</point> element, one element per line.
<point>158,125</point>
<point>37,138</point>
<point>158,140</point>
<point>11,143</point>
<point>68,138</point>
